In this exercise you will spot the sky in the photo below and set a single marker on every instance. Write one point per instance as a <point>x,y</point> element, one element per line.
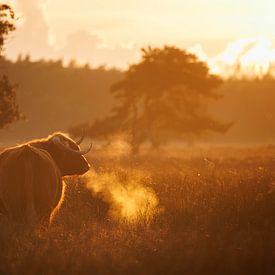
<point>221,32</point>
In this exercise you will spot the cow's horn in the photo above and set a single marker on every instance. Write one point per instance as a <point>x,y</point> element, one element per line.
<point>81,139</point>
<point>84,152</point>
<point>60,144</point>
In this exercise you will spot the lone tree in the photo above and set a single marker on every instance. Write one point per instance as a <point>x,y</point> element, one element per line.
<point>162,98</point>
<point>9,111</point>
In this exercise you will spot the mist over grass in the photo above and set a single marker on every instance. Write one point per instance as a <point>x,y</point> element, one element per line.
<point>213,213</point>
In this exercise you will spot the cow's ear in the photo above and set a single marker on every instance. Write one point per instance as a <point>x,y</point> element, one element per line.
<point>56,138</point>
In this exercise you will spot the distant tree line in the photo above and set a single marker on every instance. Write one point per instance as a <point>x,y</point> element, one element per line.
<point>54,97</point>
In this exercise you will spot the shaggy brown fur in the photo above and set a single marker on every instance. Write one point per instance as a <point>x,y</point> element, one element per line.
<point>31,186</point>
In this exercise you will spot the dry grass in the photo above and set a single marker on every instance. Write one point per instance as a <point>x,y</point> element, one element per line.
<point>214,213</point>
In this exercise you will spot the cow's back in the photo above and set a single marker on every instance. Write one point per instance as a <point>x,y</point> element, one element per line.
<point>30,183</point>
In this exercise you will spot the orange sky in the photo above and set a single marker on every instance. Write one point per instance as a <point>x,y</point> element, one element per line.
<point>111,32</point>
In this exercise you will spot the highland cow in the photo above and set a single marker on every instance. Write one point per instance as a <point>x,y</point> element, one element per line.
<point>31,186</point>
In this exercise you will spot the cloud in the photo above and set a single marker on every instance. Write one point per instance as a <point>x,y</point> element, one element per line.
<point>88,48</point>
<point>249,57</point>
<point>34,37</point>
<point>33,33</point>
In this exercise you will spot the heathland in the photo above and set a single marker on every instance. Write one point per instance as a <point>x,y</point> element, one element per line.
<point>205,210</point>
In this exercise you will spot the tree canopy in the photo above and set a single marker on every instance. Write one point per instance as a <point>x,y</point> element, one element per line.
<point>163,98</point>
<point>6,23</point>
<point>9,111</point>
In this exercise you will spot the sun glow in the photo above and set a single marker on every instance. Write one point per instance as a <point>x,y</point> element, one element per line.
<point>105,32</point>
<point>244,57</point>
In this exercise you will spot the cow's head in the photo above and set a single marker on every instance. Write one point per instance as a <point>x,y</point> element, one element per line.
<point>67,154</point>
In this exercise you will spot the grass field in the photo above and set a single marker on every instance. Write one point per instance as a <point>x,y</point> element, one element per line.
<point>184,211</point>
